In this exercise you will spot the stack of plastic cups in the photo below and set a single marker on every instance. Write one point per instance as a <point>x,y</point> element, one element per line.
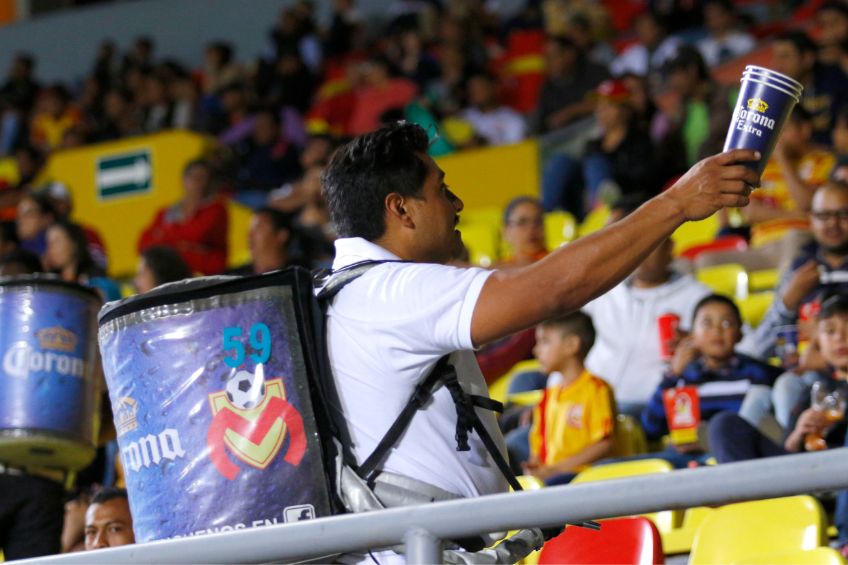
<point>765,101</point>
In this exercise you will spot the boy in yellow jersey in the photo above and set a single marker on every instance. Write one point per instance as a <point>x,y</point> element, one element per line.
<point>573,423</point>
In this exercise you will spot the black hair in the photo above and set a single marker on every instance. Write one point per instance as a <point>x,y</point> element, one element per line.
<point>9,232</point>
<point>224,49</point>
<point>43,202</point>
<point>800,115</point>
<point>833,305</point>
<point>518,201</point>
<point>834,6</point>
<point>29,260</point>
<point>841,116</point>
<point>279,220</point>
<point>629,203</point>
<point>84,263</point>
<point>166,264</point>
<point>105,494</point>
<point>564,42</point>
<point>718,299</point>
<point>726,5</point>
<point>686,57</point>
<point>800,40</point>
<point>576,323</point>
<point>27,59</point>
<point>197,163</point>
<point>362,173</point>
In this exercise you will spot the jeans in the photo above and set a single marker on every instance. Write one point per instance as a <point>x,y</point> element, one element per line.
<point>561,185</point>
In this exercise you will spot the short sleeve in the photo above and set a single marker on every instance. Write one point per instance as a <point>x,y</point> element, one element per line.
<point>601,414</point>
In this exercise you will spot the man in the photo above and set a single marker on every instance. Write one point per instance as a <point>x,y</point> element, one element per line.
<point>724,40</point>
<point>794,54</point>
<point>388,328</point>
<point>268,239</point>
<point>493,123</point>
<point>627,349</point>
<point>108,522</point>
<point>803,282</point>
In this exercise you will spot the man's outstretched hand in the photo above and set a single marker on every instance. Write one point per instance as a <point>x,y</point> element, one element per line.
<point>720,181</point>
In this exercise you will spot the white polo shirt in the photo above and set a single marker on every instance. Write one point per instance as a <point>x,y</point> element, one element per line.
<point>385,332</point>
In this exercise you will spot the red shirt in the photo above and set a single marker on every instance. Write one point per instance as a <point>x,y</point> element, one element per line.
<point>201,239</point>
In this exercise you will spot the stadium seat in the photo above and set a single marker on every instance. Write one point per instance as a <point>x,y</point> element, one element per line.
<point>620,540</point>
<point>765,279</point>
<point>729,243</point>
<point>696,233</point>
<point>595,220</point>
<point>529,482</point>
<point>755,306</point>
<point>491,216</point>
<point>629,437</point>
<point>529,398</point>
<point>665,520</point>
<point>679,540</point>
<point>733,533</point>
<point>498,389</point>
<point>817,556</point>
<point>482,243</point>
<point>560,228</point>
<point>730,279</point>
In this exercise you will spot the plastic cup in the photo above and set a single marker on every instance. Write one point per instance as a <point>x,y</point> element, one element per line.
<point>667,326</point>
<point>764,103</point>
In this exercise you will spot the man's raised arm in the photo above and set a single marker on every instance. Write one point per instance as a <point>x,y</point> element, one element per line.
<point>575,274</point>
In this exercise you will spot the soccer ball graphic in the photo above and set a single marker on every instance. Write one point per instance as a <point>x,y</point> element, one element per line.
<point>246,390</point>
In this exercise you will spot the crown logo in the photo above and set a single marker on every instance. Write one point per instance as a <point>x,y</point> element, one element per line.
<point>125,415</point>
<point>757,104</point>
<point>57,338</point>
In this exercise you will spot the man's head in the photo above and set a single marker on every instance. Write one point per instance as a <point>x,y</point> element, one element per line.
<point>524,226</point>
<point>686,70</point>
<point>829,218</point>
<point>832,332</point>
<point>561,56</point>
<point>613,107</point>
<point>716,327</point>
<point>383,186</point>
<point>20,262</point>
<point>719,16</point>
<point>269,235</point>
<point>840,132</point>
<point>794,54</point>
<point>481,91</point>
<point>651,29</point>
<point>797,133</point>
<point>108,522</point>
<point>157,265</point>
<point>655,269</point>
<point>832,18</point>
<point>559,341</point>
<point>197,180</point>
<point>266,130</point>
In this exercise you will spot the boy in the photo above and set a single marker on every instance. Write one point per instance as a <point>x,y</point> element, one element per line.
<point>708,361</point>
<point>733,439</point>
<point>573,424</point>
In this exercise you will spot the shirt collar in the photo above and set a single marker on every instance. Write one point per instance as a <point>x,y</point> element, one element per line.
<point>350,250</point>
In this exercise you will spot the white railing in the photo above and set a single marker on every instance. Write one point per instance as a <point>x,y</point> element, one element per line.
<point>422,527</point>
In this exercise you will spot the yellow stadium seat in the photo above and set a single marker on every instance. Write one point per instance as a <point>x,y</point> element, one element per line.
<point>560,228</point>
<point>239,219</point>
<point>755,306</point>
<point>679,540</point>
<point>737,532</point>
<point>529,482</point>
<point>482,243</point>
<point>730,279</point>
<point>529,398</point>
<point>665,520</point>
<point>498,389</point>
<point>765,279</point>
<point>695,233</point>
<point>491,216</point>
<point>596,219</point>
<point>629,437</point>
<point>817,556</point>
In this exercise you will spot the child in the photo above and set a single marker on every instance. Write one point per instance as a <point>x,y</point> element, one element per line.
<point>734,439</point>
<point>708,361</point>
<point>573,424</point>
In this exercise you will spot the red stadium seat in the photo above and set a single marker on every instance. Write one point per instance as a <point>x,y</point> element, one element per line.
<point>632,540</point>
<point>728,243</point>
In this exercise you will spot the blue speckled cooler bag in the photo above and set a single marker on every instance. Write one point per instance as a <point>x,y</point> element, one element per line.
<point>210,385</point>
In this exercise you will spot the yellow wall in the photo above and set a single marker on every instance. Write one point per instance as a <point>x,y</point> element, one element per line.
<point>121,218</point>
<point>493,176</point>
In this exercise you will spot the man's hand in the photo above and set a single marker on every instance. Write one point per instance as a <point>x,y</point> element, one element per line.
<point>715,182</point>
<point>804,280</point>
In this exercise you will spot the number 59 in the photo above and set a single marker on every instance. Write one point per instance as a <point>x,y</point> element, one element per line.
<point>260,341</point>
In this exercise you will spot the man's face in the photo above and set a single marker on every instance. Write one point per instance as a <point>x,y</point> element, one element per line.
<point>834,27</point>
<point>559,60</point>
<point>788,60</point>
<point>715,330</point>
<point>829,219</point>
<point>833,340</point>
<point>435,214</point>
<point>261,235</point>
<point>196,182</point>
<point>108,524</point>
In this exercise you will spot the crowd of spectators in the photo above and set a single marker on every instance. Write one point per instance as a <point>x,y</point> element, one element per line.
<point>645,93</point>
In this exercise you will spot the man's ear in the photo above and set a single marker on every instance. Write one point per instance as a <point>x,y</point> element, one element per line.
<point>397,210</point>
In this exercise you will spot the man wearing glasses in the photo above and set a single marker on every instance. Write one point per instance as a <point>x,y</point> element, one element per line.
<point>820,267</point>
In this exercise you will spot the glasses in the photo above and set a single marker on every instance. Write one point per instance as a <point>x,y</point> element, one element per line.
<point>825,215</point>
<point>524,222</point>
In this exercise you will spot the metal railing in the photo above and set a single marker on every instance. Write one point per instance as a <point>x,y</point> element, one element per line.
<point>422,527</point>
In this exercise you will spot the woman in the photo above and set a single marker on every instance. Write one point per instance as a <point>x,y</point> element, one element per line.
<point>67,254</point>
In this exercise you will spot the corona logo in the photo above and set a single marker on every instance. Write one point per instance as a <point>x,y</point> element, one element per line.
<point>254,432</point>
<point>57,338</point>
<point>757,105</point>
<point>125,415</point>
